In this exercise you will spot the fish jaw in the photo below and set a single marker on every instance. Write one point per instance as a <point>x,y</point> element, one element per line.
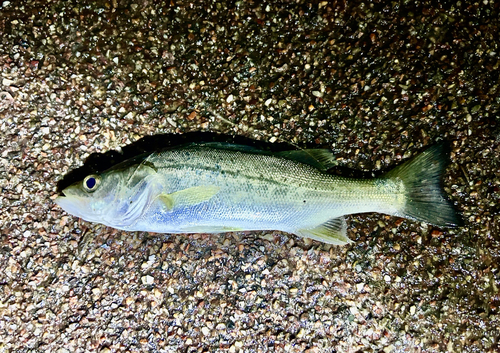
<point>69,204</point>
<point>76,205</point>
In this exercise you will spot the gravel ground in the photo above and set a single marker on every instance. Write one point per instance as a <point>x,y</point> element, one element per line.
<point>374,81</point>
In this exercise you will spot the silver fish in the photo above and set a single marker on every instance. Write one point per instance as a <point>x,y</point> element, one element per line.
<point>216,188</point>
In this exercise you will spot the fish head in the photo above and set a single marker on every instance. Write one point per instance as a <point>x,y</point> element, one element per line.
<point>94,198</point>
<point>116,198</point>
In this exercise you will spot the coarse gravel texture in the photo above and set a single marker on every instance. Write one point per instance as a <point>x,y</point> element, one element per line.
<point>375,81</point>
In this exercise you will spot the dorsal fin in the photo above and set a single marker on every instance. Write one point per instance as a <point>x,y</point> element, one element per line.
<point>228,146</point>
<point>322,159</point>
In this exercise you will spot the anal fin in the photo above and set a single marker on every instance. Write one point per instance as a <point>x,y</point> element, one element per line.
<point>333,232</point>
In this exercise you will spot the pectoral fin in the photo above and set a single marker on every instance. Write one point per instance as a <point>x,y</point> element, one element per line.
<point>188,197</point>
<point>332,232</point>
<point>167,200</point>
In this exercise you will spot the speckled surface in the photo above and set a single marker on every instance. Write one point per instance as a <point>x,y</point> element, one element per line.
<point>374,81</point>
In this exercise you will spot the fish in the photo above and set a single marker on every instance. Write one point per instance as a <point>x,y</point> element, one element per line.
<point>220,187</point>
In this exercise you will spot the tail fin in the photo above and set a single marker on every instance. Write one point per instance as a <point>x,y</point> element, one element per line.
<point>425,199</point>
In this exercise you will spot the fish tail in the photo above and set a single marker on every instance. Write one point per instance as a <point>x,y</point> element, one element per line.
<point>425,199</point>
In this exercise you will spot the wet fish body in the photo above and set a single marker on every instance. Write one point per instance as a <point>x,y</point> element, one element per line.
<point>218,188</point>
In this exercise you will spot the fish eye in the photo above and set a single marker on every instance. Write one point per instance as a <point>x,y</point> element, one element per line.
<point>91,182</point>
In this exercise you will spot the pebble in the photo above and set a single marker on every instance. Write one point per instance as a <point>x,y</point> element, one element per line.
<point>147,279</point>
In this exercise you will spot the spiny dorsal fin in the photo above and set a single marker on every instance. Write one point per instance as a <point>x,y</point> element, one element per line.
<point>227,146</point>
<point>322,159</point>
<point>188,197</point>
<point>333,232</point>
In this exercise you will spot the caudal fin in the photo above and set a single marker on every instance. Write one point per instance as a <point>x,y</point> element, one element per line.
<point>425,198</point>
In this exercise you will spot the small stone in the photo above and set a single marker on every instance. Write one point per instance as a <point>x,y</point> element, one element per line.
<point>7,82</point>
<point>205,330</point>
<point>389,349</point>
<point>191,116</point>
<point>221,327</point>
<point>436,233</point>
<point>129,300</point>
<point>172,122</point>
<point>147,279</point>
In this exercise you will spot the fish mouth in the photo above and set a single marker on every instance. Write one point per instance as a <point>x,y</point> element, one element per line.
<point>62,201</point>
<point>61,197</point>
<point>69,203</point>
<point>68,193</point>
<point>73,203</point>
